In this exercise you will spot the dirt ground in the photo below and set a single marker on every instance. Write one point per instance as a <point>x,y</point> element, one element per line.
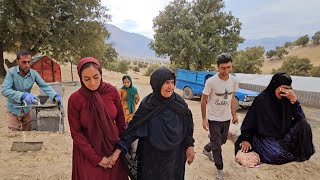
<point>53,161</point>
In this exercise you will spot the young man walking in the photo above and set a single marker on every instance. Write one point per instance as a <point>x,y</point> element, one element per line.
<point>218,108</point>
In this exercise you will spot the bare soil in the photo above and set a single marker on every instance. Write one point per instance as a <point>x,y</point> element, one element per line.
<point>53,161</point>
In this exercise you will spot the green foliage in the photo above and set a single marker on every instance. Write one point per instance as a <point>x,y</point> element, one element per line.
<point>150,69</point>
<point>173,67</point>
<point>302,41</point>
<point>118,66</point>
<point>281,51</point>
<point>135,62</point>
<point>316,38</point>
<point>271,53</point>
<point>273,71</point>
<point>142,65</point>
<point>296,66</point>
<point>249,61</point>
<point>112,66</point>
<point>193,33</point>
<point>288,44</point>
<point>136,69</point>
<point>63,30</point>
<point>315,71</point>
<point>123,67</point>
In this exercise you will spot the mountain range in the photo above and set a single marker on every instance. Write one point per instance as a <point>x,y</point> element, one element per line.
<point>130,44</point>
<point>137,46</point>
<point>267,43</point>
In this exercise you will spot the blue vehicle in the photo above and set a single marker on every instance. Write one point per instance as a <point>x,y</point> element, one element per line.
<point>192,84</point>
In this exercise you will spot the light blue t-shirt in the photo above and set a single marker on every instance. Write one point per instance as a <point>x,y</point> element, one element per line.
<point>15,85</point>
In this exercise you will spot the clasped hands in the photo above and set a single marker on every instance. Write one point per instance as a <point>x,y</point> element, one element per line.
<point>108,162</point>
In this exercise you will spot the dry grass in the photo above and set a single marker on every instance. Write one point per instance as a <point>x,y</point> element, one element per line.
<point>310,52</point>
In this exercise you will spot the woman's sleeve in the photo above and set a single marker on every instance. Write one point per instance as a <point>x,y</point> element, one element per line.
<point>245,135</point>
<point>125,143</point>
<point>120,121</point>
<point>137,99</point>
<point>189,140</point>
<point>120,94</point>
<point>133,132</point>
<point>298,113</point>
<point>77,135</point>
<point>249,124</point>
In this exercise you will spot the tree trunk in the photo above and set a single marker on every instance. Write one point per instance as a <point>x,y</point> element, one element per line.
<point>71,71</point>
<point>2,70</point>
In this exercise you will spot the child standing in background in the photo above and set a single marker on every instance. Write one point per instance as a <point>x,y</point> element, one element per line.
<point>129,97</point>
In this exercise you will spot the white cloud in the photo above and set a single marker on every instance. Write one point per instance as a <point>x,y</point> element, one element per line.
<point>272,18</point>
<point>135,15</point>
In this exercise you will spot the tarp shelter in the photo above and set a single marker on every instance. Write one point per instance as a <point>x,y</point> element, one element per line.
<point>49,70</point>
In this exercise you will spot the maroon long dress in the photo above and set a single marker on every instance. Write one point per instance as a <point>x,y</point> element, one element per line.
<point>85,159</point>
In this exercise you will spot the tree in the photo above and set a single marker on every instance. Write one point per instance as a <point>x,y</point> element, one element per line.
<point>315,71</point>
<point>142,65</point>
<point>64,30</point>
<point>302,41</point>
<point>296,66</point>
<point>123,67</point>
<point>316,38</point>
<point>113,66</point>
<point>136,69</point>
<point>281,51</point>
<point>150,69</point>
<point>287,44</point>
<point>249,61</point>
<point>271,53</point>
<point>193,33</point>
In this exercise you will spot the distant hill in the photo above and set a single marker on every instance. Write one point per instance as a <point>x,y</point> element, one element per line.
<point>130,44</point>
<point>137,46</point>
<point>267,43</point>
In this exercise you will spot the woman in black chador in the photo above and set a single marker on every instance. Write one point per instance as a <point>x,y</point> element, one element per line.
<point>275,126</point>
<point>164,126</point>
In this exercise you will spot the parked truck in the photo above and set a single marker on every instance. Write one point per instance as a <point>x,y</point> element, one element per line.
<point>192,84</point>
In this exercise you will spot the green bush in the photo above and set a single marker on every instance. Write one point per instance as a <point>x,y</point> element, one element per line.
<point>150,69</point>
<point>316,38</point>
<point>123,67</point>
<point>136,69</point>
<point>296,66</point>
<point>302,41</point>
<point>287,44</point>
<point>142,65</point>
<point>118,66</point>
<point>271,53</point>
<point>112,66</point>
<point>315,71</point>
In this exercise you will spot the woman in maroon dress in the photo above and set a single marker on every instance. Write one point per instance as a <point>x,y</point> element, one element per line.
<point>96,119</point>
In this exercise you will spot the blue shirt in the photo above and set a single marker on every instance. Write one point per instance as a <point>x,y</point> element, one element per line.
<point>15,85</point>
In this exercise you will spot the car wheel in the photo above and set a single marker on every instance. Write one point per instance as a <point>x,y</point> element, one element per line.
<point>187,93</point>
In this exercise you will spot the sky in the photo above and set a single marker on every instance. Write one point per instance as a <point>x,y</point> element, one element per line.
<point>260,18</point>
